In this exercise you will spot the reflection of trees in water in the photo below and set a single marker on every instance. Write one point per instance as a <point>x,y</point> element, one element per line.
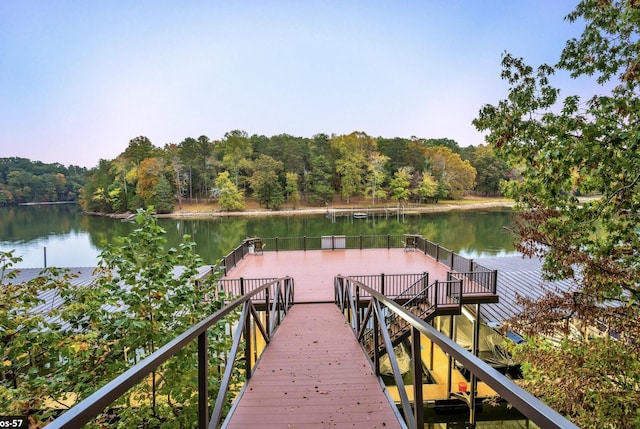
<point>472,232</point>
<point>27,223</point>
<point>461,231</point>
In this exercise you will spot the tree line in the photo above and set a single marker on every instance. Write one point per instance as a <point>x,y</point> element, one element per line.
<point>285,169</point>
<point>25,181</point>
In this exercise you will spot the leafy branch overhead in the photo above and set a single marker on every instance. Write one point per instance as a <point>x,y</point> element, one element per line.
<point>565,147</point>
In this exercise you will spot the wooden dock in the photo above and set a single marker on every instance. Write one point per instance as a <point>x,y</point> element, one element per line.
<point>314,270</point>
<point>314,375</point>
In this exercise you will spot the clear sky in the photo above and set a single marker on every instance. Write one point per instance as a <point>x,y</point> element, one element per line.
<point>79,79</point>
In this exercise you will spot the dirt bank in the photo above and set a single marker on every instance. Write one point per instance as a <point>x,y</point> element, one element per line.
<point>204,211</point>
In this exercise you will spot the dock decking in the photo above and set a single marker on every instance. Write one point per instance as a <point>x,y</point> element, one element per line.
<point>314,270</point>
<point>314,375</point>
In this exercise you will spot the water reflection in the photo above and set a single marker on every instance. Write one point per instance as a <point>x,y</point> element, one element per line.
<point>75,239</point>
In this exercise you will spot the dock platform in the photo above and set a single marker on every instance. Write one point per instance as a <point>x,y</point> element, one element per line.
<point>314,270</point>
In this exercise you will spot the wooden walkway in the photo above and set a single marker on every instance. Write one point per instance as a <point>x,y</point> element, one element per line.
<point>314,375</point>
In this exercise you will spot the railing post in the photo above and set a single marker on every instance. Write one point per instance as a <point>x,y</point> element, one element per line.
<point>276,240</point>
<point>388,241</point>
<point>382,284</point>
<point>203,381</point>
<point>416,359</point>
<point>495,282</point>
<point>376,344</point>
<point>360,241</point>
<point>247,342</point>
<point>470,265</point>
<point>267,311</point>
<point>304,243</point>
<point>357,315</point>
<point>452,258</point>
<point>241,285</point>
<point>474,378</point>
<point>437,253</point>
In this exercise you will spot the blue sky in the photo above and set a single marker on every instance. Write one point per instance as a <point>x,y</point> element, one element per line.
<point>79,79</point>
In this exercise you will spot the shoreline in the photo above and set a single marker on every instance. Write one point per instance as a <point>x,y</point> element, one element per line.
<point>475,204</point>
<point>434,208</point>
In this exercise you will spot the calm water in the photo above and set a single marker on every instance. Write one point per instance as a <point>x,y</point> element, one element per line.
<point>72,239</point>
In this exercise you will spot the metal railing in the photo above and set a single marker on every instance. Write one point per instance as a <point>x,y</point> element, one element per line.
<point>395,285</point>
<point>348,291</point>
<point>240,286</point>
<point>466,267</point>
<point>441,297</point>
<point>278,296</point>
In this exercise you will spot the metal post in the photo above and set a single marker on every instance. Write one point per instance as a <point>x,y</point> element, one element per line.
<point>418,410</point>
<point>267,311</point>
<point>357,315</point>
<point>474,378</point>
<point>376,344</point>
<point>449,372</point>
<point>382,283</point>
<point>203,381</point>
<point>45,256</point>
<point>247,343</point>
<point>304,243</point>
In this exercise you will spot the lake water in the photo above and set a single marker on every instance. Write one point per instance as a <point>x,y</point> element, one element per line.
<point>73,239</point>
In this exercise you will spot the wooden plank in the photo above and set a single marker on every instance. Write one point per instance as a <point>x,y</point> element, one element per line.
<point>314,374</point>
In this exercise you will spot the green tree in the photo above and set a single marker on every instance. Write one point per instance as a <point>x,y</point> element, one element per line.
<point>136,304</point>
<point>351,161</point>
<point>318,181</point>
<point>27,336</point>
<point>188,157</point>
<point>230,197</point>
<point>491,170</point>
<point>427,188</point>
<point>448,168</point>
<point>138,149</point>
<point>94,196</point>
<point>376,176</point>
<point>400,185</point>
<point>590,146</point>
<point>164,197</point>
<point>235,152</point>
<point>291,188</point>
<point>396,150</point>
<point>265,182</point>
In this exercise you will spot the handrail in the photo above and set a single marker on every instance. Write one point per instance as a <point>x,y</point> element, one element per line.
<point>395,285</point>
<point>426,304</point>
<point>537,411</point>
<point>282,288</point>
<point>411,292</point>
